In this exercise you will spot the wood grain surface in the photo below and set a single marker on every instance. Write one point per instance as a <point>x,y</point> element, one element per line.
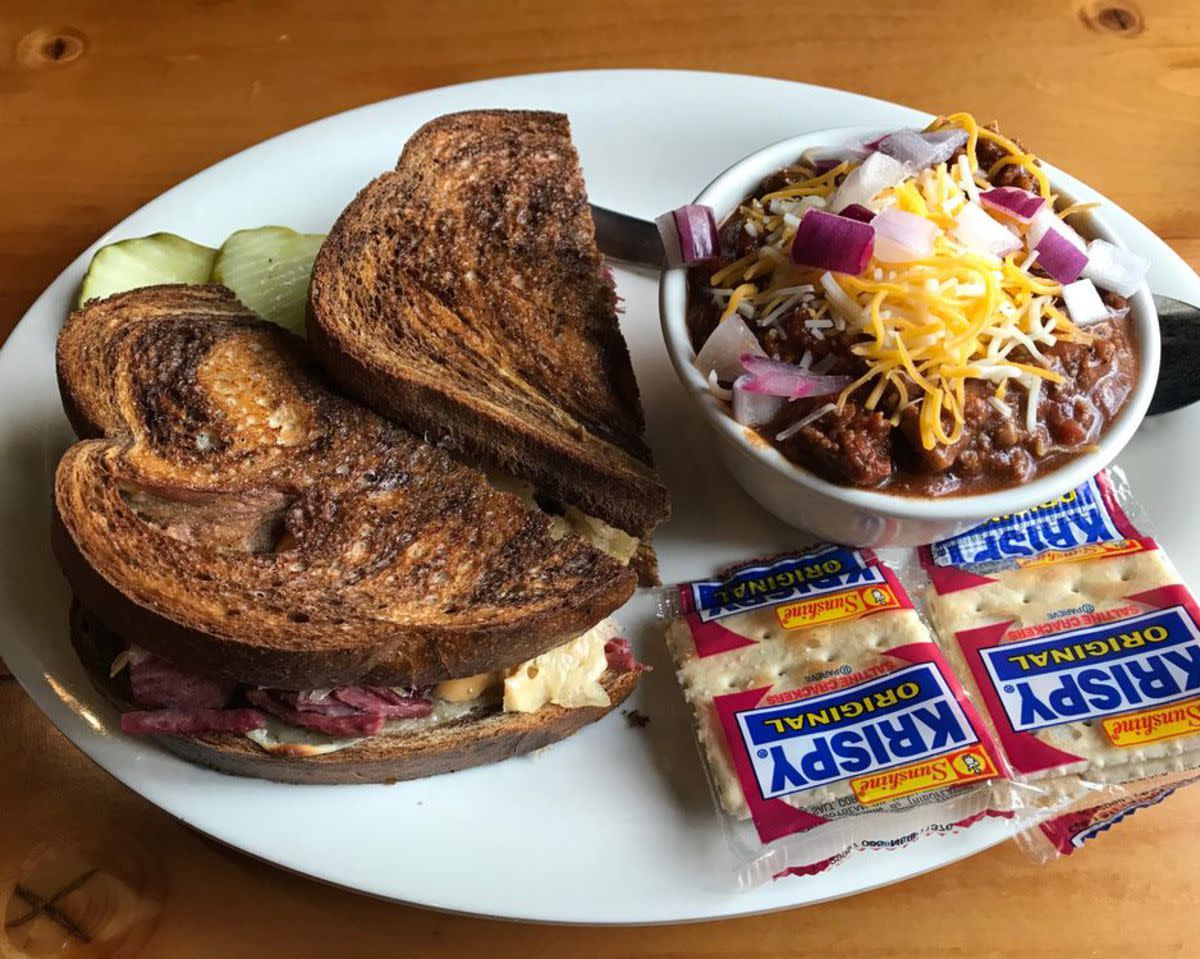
<point>103,105</point>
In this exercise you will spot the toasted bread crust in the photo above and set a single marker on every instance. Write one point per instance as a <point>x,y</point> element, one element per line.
<point>463,295</point>
<point>474,741</point>
<point>397,565</point>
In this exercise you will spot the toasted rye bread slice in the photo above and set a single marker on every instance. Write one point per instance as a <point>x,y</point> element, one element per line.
<point>449,747</point>
<point>463,295</point>
<point>244,521</point>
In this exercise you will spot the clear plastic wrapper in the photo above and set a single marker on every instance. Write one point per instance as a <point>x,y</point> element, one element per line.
<point>1074,633</point>
<point>828,719</point>
<point>1062,835</point>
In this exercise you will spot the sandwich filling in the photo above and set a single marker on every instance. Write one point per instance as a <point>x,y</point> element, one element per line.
<point>598,534</point>
<point>171,700</point>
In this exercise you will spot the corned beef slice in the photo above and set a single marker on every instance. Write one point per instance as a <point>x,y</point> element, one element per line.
<point>191,722</point>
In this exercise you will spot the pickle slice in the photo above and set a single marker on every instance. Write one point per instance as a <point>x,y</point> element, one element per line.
<point>145,261</point>
<point>268,268</point>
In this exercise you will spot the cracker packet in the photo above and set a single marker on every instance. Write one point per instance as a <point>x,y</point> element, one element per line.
<point>1075,634</point>
<point>1062,835</point>
<point>827,717</point>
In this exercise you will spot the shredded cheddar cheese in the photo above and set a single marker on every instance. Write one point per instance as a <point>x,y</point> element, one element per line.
<point>1015,154</point>
<point>923,328</point>
<point>1076,208</point>
<point>735,298</point>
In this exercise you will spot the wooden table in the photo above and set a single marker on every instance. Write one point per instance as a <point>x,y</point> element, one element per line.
<point>105,104</point>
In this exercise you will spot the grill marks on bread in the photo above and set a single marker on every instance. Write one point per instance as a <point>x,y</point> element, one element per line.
<point>242,519</point>
<point>463,294</point>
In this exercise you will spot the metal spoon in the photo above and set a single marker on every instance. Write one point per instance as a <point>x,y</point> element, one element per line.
<point>1179,373</point>
<point>636,241</point>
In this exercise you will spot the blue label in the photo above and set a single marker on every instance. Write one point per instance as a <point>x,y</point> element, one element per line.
<point>1130,664</point>
<point>902,718</point>
<point>1077,518</point>
<point>827,570</point>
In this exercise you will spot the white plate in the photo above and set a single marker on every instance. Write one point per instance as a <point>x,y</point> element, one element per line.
<point>613,825</point>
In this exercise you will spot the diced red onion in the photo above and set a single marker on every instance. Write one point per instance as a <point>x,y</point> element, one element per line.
<point>1118,314</point>
<point>867,180</point>
<point>725,346</point>
<point>824,159</point>
<point>921,150</point>
<point>1046,219</point>
<point>669,235</point>
<point>670,239</point>
<point>856,211</point>
<point>907,147</point>
<point>1020,205</point>
<point>1059,258</point>
<point>689,235</point>
<point>1083,303</point>
<point>903,237</point>
<point>949,138</point>
<point>975,230</point>
<point>751,408</point>
<point>777,378</point>
<point>1115,268</point>
<point>831,242</point>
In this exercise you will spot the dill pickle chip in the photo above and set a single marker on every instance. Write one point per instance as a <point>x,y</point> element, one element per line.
<point>268,268</point>
<point>145,261</point>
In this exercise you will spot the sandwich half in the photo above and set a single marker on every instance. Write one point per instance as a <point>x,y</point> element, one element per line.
<point>462,294</point>
<point>277,582</point>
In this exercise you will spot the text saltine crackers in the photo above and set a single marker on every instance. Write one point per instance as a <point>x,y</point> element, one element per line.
<point>1078,638</point>
<point>818,693</point>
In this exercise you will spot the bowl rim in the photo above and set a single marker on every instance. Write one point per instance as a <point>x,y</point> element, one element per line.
<point>736,182</point>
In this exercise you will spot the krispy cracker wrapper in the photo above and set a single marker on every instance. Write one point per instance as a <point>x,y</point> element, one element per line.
<point>1066,833</point>
<point>827,717</point>
<point>1077,638</point>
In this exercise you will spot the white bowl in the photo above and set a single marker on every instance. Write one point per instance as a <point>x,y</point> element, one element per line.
<point>863,517</point>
